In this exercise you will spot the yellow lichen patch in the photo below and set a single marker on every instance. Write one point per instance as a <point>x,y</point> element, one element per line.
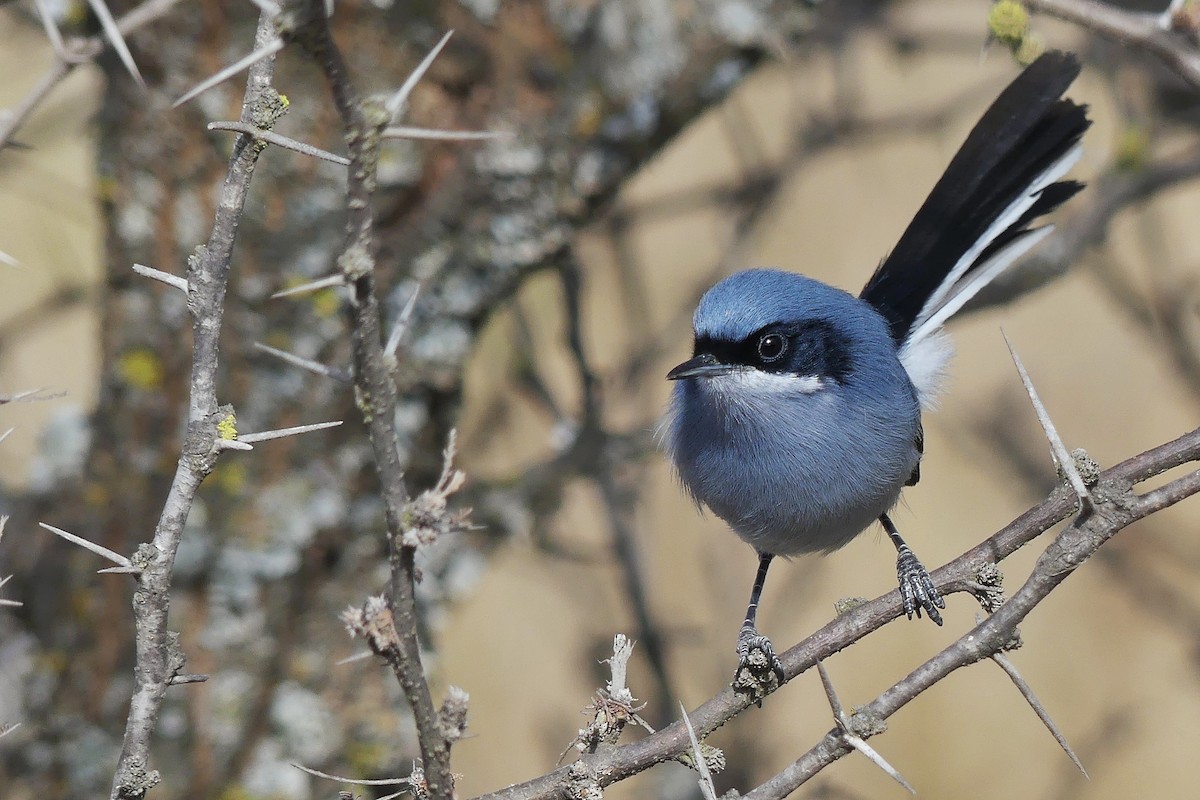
<point>141,368</point>
<point>227,428</point>
<point>1008,22</point>
<point>1133,145</point>
<point>326,303</point>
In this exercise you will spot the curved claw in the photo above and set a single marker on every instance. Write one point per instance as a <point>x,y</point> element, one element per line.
<point>916,587</point>
<point>757,665</point>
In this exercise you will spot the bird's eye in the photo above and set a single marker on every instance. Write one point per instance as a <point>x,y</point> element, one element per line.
<point>771,347</point>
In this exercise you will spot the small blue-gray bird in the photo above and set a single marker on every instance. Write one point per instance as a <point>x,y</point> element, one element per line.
<point>797,419</point>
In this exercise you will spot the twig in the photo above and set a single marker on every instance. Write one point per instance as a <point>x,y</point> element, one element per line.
<point>364,121</point>
<point>1140,29</point>
<point>1069,550</point>
<point>207,278</point>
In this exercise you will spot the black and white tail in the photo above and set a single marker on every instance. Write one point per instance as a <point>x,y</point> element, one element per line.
<point>976,221</point>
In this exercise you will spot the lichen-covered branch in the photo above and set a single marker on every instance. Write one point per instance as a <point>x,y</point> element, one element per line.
<point>158,658</point>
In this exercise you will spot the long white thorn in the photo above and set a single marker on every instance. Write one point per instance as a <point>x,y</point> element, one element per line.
<point>118,41</point>
<point>163,277</point>
<point>267,7</point>
<point>100,550</point>
<point>853,739</point>
<point>281,141</point>
<point>1059,450</point>
<point>1027,692</point>
<point>5,258</point>
<point>706,782</point>
<point>339,375</point>
<point>312,286</point>
<point>406,132</point>
<point>52,32</point>
<point>282,432</point>
<point>395,103</point>
<point>393,342</point>
<point>266,51</point>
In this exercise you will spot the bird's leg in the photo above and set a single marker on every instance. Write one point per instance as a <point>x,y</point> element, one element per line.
<point>757,661</point>
<point>916,587</point>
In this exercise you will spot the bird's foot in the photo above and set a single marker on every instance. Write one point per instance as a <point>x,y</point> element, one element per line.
<point>759,670</point>
<point>916,587</point>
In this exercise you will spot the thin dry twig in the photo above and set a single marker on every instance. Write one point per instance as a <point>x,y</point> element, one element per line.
<point>1139,29</point>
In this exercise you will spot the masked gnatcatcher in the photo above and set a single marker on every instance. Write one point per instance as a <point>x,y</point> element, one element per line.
<point>797,419</point>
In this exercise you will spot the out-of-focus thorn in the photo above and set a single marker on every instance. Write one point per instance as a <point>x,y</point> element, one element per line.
<point>267,7</point>
<point>406,132</point>
<point>52,32</point>
<point>355,781</point>
<point>100,8</point>
<point>5,258</point>
<point>1065,462</point>
<point>395,103</point>
<point>284,432</point>
<point>356,657</point>
<point>266,51</point>
<point>4,435</point>
<point>176,680</point>
<point>282,141</point>
<point>312,286</point>
<point>853,739</point>
<point>1038,708</point>
<point>100,550</point>
<point>393,342</point>
<point>328,8</point>
<point>8,728</point>
<point>340,375</point>
<point>163,277</point>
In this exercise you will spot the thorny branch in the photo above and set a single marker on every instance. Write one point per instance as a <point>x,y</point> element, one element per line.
<point>158,658</point>
<point>1117,506</point>
<point>364,121</point>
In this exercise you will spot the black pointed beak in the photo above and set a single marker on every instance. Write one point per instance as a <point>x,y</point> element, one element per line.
<point>701,366</point>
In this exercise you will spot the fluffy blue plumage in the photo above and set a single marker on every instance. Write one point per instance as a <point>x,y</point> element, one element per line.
<point>795,463</point>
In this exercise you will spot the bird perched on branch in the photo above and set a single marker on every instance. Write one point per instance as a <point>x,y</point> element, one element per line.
<point>797,420</point>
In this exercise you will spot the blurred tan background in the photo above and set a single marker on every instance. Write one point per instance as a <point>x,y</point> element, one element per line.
<point>1114,653</point>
